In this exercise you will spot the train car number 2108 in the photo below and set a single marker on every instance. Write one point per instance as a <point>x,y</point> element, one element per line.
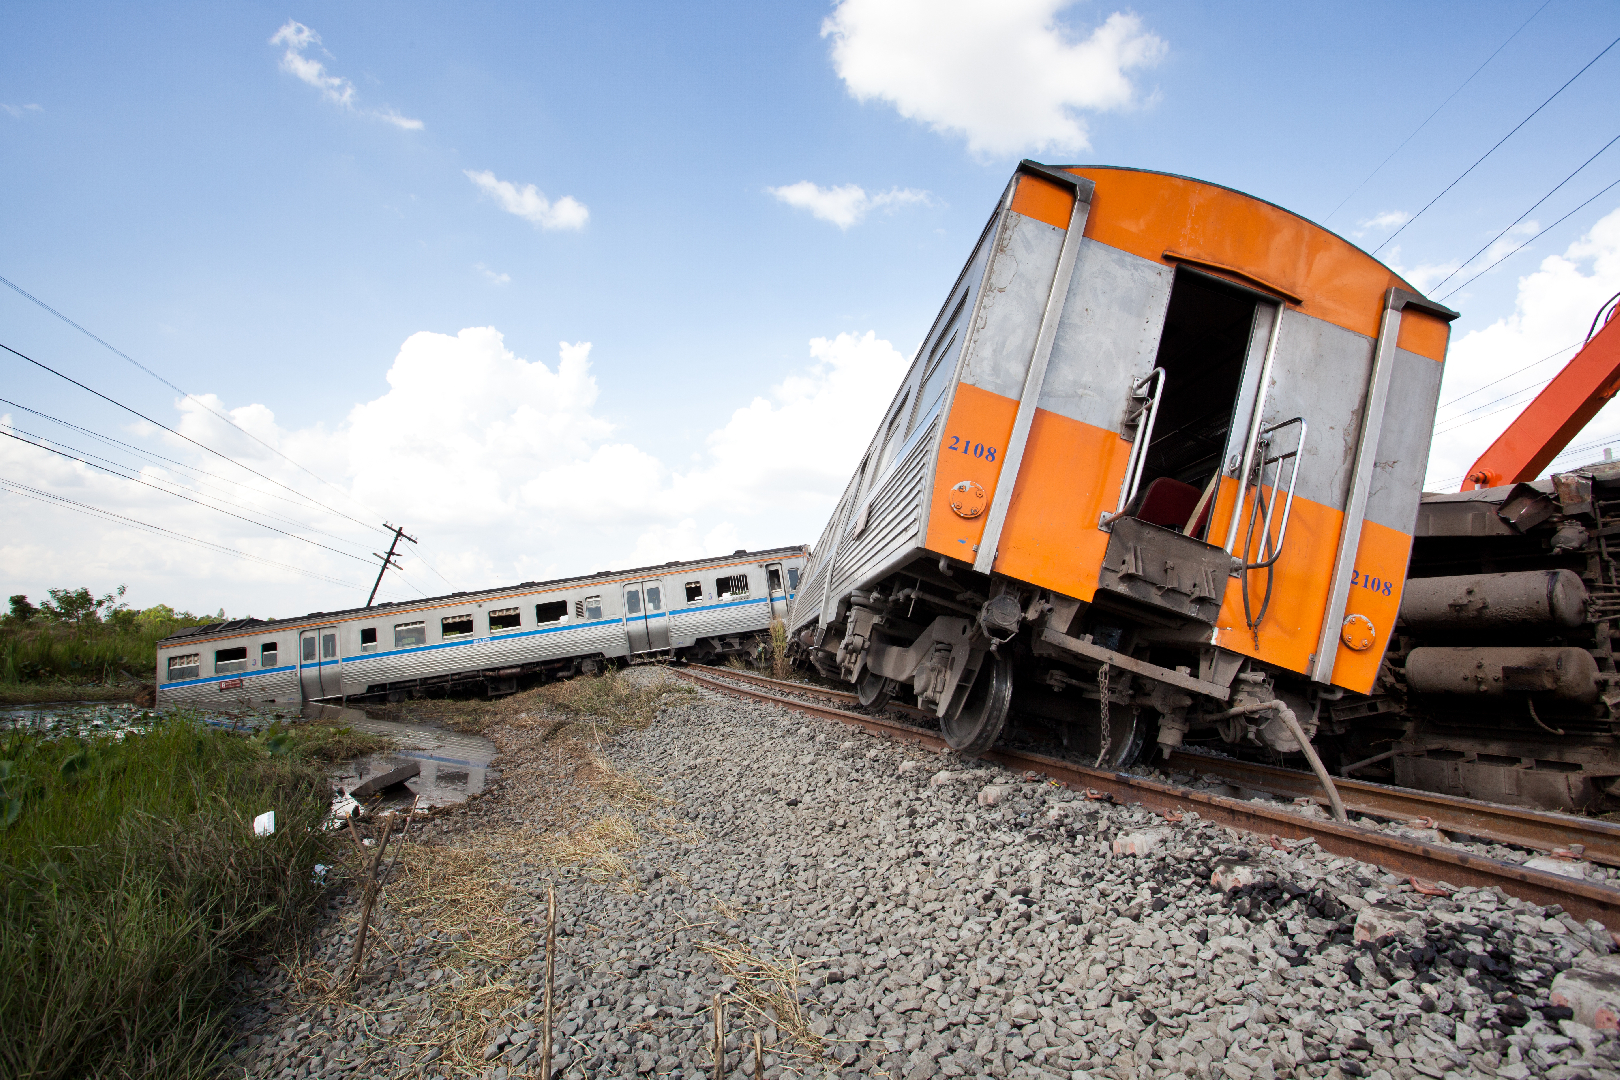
<point>971,448</point>
<point>1378,586</point>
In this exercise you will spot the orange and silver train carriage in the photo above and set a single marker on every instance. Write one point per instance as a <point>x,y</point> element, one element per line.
<point>1153,475</point>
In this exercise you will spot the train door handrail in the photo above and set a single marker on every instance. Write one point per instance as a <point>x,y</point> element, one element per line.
<point>1293,457</point>
<point>1256,422</point>
<point>1137,462</point>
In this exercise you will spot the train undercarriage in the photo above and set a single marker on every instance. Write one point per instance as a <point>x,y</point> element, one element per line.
<point>1499,681</point>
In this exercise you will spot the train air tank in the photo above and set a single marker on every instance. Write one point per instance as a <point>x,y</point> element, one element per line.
<point>1541,598</point>
<point>1565,674</point>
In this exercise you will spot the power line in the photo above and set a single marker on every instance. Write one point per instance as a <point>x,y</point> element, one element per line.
<point>41,496</point>
<point>171,431</point>
<point>1452,424</point>
<point>1526,244</point>
<point>168,462</point>
<point>187,498</point>
<point>1524,215</point>
<point>1493,149</point>
<point>119,352</point>
<point>45,443</point>
<point>1436,112</point>
<point>1493,382</point>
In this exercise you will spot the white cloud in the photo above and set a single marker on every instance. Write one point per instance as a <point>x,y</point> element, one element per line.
<point>335,88</point>
<point>17,112</point>
<point>529,204</point>
<point>505,468</point>
<point>844,205</point>
<point>1007,75</point>
<point>1551,313</point>
<point>1389,219</point>
<point>491,276</point>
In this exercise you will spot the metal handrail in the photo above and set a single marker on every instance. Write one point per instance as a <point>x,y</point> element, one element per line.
<point>1265,442</point>
<point>1137,462</point>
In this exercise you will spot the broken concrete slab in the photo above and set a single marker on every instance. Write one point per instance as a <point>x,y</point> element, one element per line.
<point>1231,874</point>
<point>1140,842</point>
<point>1591,990</point>
<point>1386,920</point>
<point>397,775</point>
<point>992,794</point>
<point>1552,864</point>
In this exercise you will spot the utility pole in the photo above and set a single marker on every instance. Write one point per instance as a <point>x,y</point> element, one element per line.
<point>388,559</point>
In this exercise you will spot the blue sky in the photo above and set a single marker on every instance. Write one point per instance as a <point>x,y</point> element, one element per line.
<point>273,233</point>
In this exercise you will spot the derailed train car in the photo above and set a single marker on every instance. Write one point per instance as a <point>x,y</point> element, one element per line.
<point>1154,471</point>
<point>700,610</point>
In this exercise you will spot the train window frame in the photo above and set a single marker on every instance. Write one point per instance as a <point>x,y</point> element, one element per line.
<point>654,592</point>
<point>793,578</point>
<point>230,661</point>
<point>773,579</point>
<point>268,652</point>
<point>185,666</point>
<point>551,611</point>
<point>308,650</point>
<point>511,619</point>
<point>448,621</point>
<point>410,634</point>
<point>694,592</point>
<point>632,601</point>
<point>592,607</point>
<point>368,639</point>
<point>735,585</point>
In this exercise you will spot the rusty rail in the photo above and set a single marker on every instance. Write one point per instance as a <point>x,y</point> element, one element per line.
<point>1395,854</point>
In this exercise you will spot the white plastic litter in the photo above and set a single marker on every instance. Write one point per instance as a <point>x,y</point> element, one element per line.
<point>319,877</point>
<point>343,808</point>
<point>265,823</point>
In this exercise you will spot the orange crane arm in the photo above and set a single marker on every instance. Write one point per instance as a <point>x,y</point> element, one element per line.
<point>1556,415</point>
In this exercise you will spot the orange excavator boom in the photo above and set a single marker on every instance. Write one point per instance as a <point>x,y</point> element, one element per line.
<point>1557,414</point>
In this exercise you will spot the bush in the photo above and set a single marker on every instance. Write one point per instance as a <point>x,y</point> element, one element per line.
<point>130,878</point>
<point>76,637</point>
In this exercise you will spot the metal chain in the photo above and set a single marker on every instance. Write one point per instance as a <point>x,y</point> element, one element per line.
<point>1107,731</point>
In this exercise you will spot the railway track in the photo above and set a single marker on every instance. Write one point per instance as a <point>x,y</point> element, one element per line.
<point>1396,854</point>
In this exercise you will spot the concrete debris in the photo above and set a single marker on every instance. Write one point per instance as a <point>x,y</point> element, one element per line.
<point>1590,989</point>
<point>944,777</point>
<point>398,775</point>
<point>343,808</point>
<point>908,767</point>
<point>1552,864</point>
<point>993,794</point>
<point>1377,921</point>
<point>1231,874</point>
<point>1142,842</point>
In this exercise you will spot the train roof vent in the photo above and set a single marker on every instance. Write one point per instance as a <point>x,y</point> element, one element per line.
<point>740,551</point>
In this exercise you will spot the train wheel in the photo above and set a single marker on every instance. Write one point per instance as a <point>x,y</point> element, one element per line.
<point>978,725</point>
<point>873,690</point>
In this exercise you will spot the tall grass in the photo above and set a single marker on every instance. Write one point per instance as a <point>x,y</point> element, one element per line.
<point>84,643</point>
<point>129,879</point>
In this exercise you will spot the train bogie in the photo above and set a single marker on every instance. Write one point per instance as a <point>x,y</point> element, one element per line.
<point>701,610</point>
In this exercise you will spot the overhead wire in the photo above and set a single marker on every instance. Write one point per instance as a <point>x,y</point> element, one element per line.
<point>47,443</point>
<point>203,404</point>
<point>1522,246</point>
<point>1493,382</point>
<point>187,498</point>
<point>189,397</point>
<point>24,490</point>
<point>1522,216</point>
<point>187,438</point>
<point>1436,112</point>
<point>1496,146</point>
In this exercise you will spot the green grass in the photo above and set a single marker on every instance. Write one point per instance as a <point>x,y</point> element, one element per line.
<point>79,641</point>
<point>130,879</point>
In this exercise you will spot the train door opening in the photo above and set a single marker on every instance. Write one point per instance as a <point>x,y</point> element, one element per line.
<point>777,591</point>
<point>320,673</point>
<point>1210,330</point>
<point>646,622</point>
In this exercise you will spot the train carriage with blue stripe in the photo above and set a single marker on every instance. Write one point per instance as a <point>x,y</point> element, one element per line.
<point>702,610</point>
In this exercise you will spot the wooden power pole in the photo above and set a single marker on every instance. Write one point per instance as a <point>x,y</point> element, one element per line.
<point>388,559</point>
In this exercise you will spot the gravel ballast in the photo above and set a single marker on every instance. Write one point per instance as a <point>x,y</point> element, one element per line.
<point>871,909</point>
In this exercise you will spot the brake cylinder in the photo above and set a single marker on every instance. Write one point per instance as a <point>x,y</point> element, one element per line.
<point>1564,674</point>
<point>1540,598</point>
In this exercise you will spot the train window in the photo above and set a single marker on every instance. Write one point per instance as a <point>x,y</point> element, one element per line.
<point>407,634</point>
<point>556,611</point>
<point>267,654</point>
<point>328,646</point>
<point>793,577</point>
<point>632,601</point>
<point>184,667</point>
<point>655,598</point>
<point>229,660</point>
<point>368,639</point>
<point>309,649</point>
<point>737,585</point>
<point>593,607</point>
<point>694,591</point>
<point>454,626</point>
<point>504,619</point>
